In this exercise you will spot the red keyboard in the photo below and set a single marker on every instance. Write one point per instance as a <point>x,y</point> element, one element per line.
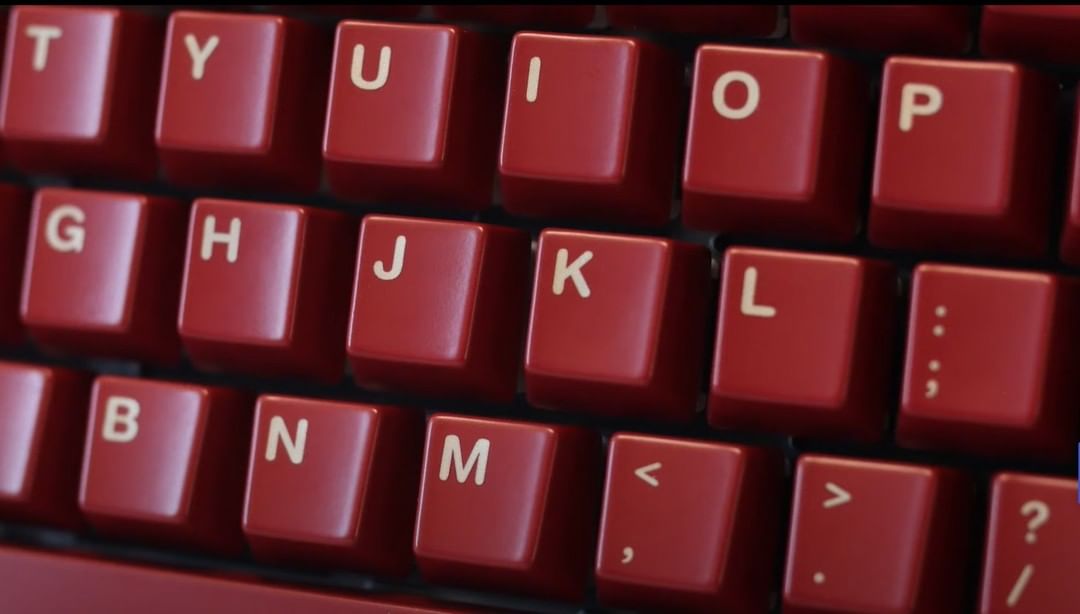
<point>405,308</point>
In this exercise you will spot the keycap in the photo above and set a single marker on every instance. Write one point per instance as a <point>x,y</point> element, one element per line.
<point>803,344</point>
<point>877,537</point>
<point>103,274</point>
<point>933,29</point>
<point>775,143</point>
<point>562,16</point>
<point>617,325</point>
<point>77,94</point>
<point>439,307</point>
<point>1035,32</point>
<point>589,129</point>
<point>1030,553</point>
<point>242,101</point>
<point>164,463</point>
<point>733,20</point>
<point>413,115</point>
<point>688,525</point>
<point>14,226</point>
<point>333,484</point>
<point>969,327</point>
<point>265,290</point>
<point>508,506</point>
<point>963,158</point>
<point>29,581</point>
<point>1070,229</point>
<point>42,426</point>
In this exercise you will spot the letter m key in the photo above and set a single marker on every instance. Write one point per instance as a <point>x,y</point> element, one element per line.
<point>478,459</point>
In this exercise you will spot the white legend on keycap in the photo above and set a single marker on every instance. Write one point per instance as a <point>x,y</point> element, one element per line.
<point>819,578</point>
<point>932,385</point>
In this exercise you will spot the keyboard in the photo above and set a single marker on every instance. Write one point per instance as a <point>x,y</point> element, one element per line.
<point>568,308</point>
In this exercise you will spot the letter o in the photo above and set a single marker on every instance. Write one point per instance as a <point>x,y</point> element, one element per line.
<point>753,94</point>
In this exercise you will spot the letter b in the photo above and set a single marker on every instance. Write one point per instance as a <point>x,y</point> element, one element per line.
<point>119,424</point>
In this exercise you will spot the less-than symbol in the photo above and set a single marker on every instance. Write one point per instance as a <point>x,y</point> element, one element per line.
<point>645,473</point>
<point>840,496</point>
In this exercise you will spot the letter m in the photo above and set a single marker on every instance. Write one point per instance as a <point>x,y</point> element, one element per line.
<point>478,458</point>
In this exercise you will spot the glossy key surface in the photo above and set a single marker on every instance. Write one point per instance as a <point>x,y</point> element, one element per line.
<point>688,524</point>
<point>42,427</point>
<point>729,20</point>
<point>14,228</point>
<point>164,463</point>
<point>242,101</point>
<point>616,325</point>
<point>103,274</point>
<point>1070,230</point>
<point>78,91</point>
<point>589,129</point>
<point>938,29</point>
<point>803,343</point>
<point>1033,32</point>
<point>775,143</point>
<point>508,505</point>
<point>439,307</point>
<point>1031,556</point>
<point>30,579</point>
<point>963,158</point>
<point>413,114</point>
<point>990,364</point>
<point>333,484</point>
<point>876,538</point>
<point>265,288</point>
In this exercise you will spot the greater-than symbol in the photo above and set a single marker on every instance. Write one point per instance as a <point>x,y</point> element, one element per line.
<point>840,496</point>
<point>645,473</point>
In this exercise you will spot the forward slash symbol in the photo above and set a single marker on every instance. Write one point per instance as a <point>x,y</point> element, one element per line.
<point>645,473</point>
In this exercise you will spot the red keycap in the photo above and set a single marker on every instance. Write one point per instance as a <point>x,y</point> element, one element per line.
<point>688,525</point>
<point>509,506</point>
<point>164,462</point>
<point>963,158</point>
<point>42,426</point>
<point>803,344</point>
<point>1070,232</point>
<point>1031,556</point>
<point>439,307</point>
<point>877,538</point>
<point>564,16</point>
<point>991,363</point>
<point>14,226</point>
<point>775,143</point>
<point>617,324</point>
<point>78,91</point>
<point>241,103</point>
<point>103,274</point>
<point>333,484</point>
<point>938,29</point>
<point>265,289</point>
<point>1036,32</point>
<point>589,131</point>
<point>29,582</point>
<point>413,115</point>
<point>734,20</point>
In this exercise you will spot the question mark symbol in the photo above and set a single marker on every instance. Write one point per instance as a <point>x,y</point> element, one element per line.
<point>1040,513</point>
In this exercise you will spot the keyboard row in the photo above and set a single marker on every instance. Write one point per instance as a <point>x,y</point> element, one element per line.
<point>410,113</point>
<point>512,506</point>
<point>618,324</point>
